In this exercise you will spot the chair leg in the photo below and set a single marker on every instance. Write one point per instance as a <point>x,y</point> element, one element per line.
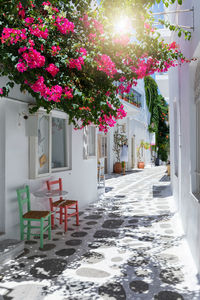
<point>77,215</point>
<point>61,215</point>
<point>41,232</point>
<point>29,230</point>
<point>49,229</point>
<point>22,230</point>
<point>52,217</point>
<point>65,218</point>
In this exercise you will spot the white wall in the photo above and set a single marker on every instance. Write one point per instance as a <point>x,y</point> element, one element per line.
<point>136,124</point>
<point>80,182</point>
<point>181,88</point>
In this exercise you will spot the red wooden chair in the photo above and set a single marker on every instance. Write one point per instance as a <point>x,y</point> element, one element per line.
<point>62,204</point>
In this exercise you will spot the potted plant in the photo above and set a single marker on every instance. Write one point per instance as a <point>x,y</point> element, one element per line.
<point>119,140</point>
<point>140,153</point>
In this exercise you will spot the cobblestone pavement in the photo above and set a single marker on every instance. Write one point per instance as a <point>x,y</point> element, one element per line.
<point>130,245</point>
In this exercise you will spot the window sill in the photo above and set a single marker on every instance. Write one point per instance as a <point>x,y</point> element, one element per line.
<point>60,170</point>
<point>91,157</point>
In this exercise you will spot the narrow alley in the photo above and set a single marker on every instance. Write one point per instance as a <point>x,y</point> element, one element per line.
<point>130,245</point>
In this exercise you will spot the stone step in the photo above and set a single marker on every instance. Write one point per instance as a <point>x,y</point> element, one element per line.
<point>9,249</point>
<point>2,236</point>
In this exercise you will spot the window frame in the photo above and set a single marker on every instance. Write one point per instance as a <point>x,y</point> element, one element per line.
<point>33,146</point>
<point>86,141</point>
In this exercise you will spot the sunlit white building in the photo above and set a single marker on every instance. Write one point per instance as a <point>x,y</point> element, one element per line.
<point>134,126</point>
<point>184,95</point>
<point>36,148</point>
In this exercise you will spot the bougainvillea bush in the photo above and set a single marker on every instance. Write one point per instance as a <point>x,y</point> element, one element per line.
<point>67,55</point>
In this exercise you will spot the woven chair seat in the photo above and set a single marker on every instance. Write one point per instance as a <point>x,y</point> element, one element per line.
<point>36,214</point>
<point>65,203</point>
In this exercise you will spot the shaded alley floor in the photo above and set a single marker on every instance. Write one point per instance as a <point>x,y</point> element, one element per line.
<point>130,245</point>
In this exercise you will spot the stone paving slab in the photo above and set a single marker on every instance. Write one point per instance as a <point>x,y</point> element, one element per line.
<point>129,245</point>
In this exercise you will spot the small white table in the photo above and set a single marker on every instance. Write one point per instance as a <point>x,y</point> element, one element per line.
<point>50,194</point>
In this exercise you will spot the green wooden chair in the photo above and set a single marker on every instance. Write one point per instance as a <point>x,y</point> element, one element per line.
<point>23,196</point>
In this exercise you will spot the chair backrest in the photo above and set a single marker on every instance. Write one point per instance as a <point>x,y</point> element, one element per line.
<point>23,197</point>
<point>57,185</point>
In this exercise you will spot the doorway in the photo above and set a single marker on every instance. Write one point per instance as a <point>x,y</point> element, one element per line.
<point>133,152</point>
<point>102,153</point>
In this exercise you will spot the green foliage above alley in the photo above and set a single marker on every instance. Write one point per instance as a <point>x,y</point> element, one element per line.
<point>158,108</point>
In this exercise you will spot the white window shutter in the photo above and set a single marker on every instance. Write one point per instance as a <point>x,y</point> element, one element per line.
<point>85,143</point>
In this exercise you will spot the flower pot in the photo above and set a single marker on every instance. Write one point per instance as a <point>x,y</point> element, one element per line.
<point>140,165</point>
<point>118,167</point>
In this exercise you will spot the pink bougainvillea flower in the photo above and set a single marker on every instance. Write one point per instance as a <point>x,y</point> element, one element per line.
<point>1,91</point>
<point>33,58</point>
<point>39,31</point>
<point>55,93</point>
<point>98,26</point>
<point>46,3</point>
<point>21,10</point>
<point>68,93</point>
<point>83,51</point>
<point>55,50</point>
<point>108,93</point>
<point>21,67</point>
<point>76,63</point>
<point>29,20</point>
<point>52,69</point>
<point>31,43</point>
<point>13,36</point>
<point>92,37</point>
<point>22,49</point>
<point>64,25</point>
<point>85,21</point>
<point>105,64</point>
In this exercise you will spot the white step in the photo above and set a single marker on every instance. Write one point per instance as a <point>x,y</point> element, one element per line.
<point>9,249</point>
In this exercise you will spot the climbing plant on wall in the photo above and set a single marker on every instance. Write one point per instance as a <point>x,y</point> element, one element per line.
<point>158,108</point>
<point>69,55</point>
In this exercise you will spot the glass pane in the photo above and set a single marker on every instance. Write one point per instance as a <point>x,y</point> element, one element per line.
<point>92,137</point>
<point>43,144</point>
<point>59,153</point>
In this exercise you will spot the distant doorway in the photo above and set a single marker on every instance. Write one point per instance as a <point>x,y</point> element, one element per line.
<point>102,153</point>
<point>133,152</point>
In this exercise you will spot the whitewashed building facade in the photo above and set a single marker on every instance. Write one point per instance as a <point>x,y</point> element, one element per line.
<point>184,95</point>
<point>39,148</point>
<point>134,126</point>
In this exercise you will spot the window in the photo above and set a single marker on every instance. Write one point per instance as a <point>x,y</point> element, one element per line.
<point>50,147</point>
<point>102,146</point>
<point>59,143</point>
<point>92,140</point>
<point>134,98</point>
<point>89,142</point>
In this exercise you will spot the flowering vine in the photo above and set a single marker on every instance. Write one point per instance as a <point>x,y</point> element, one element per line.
<point>66,57</point>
